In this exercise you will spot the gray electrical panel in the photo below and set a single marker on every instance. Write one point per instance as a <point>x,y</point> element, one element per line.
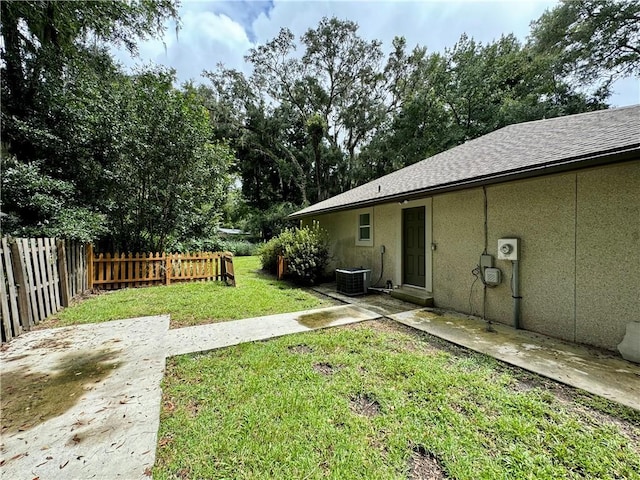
<point>492,276</point>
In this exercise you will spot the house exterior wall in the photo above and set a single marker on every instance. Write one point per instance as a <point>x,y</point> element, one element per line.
<point>541,213</point>
<point>607,253</point>
<point>387,230</point>
<point>458,235</point>
<point>580,250</point>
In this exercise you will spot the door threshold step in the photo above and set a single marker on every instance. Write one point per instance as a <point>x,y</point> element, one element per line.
<point>413,295</point>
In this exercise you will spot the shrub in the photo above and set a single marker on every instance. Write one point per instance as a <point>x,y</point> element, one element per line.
<point>240,248</point>
<point>305,249</point>
<point>213,244</point>
<point>308,254</point>
<point>270,250</point>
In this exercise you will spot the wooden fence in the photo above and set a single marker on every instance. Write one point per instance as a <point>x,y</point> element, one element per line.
<point>38,276</point>
<point>113,271</point>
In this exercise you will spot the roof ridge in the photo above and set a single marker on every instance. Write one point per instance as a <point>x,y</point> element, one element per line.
<point>571,115</point>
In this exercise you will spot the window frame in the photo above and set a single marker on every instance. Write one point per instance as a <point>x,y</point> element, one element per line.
<point>364,242</point>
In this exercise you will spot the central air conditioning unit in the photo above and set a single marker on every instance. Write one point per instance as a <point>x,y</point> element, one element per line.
<point>353,281</point>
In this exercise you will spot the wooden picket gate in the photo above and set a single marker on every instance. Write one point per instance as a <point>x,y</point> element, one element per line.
<point>112,271</point>
<point>38,276</point>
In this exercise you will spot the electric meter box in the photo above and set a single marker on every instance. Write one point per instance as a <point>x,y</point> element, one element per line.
<point>508,249</point>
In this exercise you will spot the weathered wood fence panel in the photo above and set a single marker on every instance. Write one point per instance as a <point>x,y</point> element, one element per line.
<point>113,271</point>
<point>34,280</point>
<point>76,261</point>
<point>119,270</point>
<point>9,294</point>
<point>228,273</point>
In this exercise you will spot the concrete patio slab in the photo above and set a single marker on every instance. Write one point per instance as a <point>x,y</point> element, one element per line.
<point>591,370</point>
<point>216,335</point>
<point>100,387</point>
<point>379,303</point>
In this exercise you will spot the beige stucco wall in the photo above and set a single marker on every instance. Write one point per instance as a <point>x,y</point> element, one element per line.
<point>580,250</point>
<point>540,212</point>
<point>458,236</point>
<point>341,228</point>
<point>607,253</point>
<point>387,226</point>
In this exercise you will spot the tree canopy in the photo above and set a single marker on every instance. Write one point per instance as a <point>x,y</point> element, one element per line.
<point>135,163</point>
<point>92,153</point>
<point>593,41</point>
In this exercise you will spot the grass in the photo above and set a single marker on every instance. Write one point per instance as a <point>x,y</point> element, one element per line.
<point>366,401</point>
<point>256,294</point>
<point>373,401</point>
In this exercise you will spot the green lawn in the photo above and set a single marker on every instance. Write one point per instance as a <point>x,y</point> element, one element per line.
<point>377,401</point>
<point>194,303</point>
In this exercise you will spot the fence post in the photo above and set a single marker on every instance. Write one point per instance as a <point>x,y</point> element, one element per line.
<point>89,266</point>
<point>63,274</point>
<point>4,300</point>
<point>229,275</point>
<point>167,268</point>
<point>281,268</point>
<point>12,290</point>
<point>20,274</point>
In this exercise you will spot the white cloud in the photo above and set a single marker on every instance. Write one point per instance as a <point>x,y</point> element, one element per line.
<point>434,24</point>
<point>204,40</point>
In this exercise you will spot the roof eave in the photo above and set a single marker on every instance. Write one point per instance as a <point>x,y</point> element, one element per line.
<point>574,163</point>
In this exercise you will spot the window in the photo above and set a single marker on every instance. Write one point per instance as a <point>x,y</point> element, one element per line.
<point>365,232</point>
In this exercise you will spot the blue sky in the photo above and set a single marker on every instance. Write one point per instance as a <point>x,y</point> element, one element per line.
<point>215,32</point>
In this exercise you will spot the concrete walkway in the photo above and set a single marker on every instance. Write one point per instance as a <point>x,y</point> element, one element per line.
<point>217,335</point>
<point>85,400</point>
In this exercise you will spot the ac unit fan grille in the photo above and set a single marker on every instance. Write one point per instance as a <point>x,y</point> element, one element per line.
<point>352,281</point>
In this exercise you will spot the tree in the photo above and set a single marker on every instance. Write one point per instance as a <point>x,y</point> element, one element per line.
<point>267,144</point>
<point>595,41</point>
<point>97,154</point>
<point>338,81</point>
<point>39,38</point>
<point>57,152</point>
<point>57,123</point>
<point>167,180</point>
<point>469,91</point>
<point>35,204</point>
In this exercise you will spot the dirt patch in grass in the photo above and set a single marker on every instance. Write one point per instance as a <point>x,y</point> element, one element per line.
<point>193,407</point>
<point>424,465</point>
<point>325,368</point>
<point>302,348</point>
<point>365,404</point>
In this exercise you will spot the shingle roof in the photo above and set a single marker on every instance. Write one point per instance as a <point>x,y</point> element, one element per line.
<point>524,149</point>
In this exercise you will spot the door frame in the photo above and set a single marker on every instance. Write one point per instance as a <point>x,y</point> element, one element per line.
<point>428,229</point>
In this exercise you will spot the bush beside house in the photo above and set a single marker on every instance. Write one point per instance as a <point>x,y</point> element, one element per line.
<point>306,251</point>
